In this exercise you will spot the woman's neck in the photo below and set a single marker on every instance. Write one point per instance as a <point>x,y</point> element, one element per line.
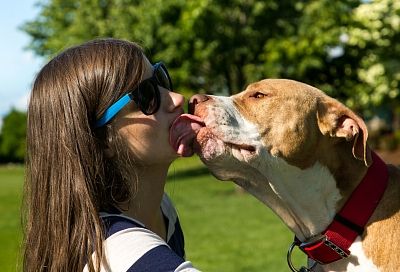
<point>144,205</point>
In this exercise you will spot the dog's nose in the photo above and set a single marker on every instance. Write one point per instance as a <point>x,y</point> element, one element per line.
<point>196,99</point>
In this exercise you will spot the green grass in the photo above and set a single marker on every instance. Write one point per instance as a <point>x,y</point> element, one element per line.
<point>11,180</point>
<point>225,229</point>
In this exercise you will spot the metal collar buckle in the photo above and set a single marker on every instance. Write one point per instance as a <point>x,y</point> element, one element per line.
<point>328,243</point>
<point>336,248</point>
<point>312,241</point>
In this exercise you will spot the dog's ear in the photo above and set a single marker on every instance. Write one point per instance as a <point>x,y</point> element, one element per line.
<point>339,121</point>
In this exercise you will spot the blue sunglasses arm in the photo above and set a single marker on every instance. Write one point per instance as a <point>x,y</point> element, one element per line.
<point>113,110</point>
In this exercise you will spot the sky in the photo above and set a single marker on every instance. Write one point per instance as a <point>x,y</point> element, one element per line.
<point>18,65</point>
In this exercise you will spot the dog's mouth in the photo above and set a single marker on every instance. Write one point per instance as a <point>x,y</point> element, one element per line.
<point>183,132</point>
<point>189,134</point>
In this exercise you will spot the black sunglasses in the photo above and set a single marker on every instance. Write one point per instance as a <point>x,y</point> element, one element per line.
<point>146,95</point>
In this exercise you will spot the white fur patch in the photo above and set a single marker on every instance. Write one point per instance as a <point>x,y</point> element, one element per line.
<point>309,196</point>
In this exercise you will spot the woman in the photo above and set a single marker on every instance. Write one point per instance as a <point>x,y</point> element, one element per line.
<point>97,160</point>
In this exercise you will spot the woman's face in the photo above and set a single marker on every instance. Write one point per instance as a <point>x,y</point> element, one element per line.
<point>148,135</point>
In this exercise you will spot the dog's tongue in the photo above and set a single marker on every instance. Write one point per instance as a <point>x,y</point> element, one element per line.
<point>182,133</point>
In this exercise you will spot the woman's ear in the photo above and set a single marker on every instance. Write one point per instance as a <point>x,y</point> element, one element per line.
<point>339,121</point>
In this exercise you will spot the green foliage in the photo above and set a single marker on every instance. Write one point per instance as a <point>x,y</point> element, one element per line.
<point>13,137</point>
<point>376,34</point>
<point>347,48</point>
<point>207,44</point>
<point>365,73</point>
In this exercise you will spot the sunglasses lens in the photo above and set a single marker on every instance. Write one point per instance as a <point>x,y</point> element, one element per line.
<point>162,76</point>
<point>148,98</point>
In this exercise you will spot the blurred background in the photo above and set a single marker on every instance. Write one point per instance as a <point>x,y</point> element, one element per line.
<point>350,49</point>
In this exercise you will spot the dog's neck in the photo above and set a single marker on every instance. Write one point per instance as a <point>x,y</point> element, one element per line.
<point>346,170</point>
<point>305,199</point>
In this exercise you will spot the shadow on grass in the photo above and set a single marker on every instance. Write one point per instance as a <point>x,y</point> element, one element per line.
<point>187,173</point>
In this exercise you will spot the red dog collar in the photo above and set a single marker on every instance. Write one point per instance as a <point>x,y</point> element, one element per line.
<point>333,244</point>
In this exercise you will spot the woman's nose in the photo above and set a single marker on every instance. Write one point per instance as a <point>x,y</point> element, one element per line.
<point>177,101</point>
<point>196,99</point>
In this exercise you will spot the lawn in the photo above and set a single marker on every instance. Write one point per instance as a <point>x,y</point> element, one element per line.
<point>225,229</point>
<point>11,179</point>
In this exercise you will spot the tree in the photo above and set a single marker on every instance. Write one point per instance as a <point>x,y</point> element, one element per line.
<point>222,41</point>
<point>347,48</point>
<point>13,137</point>
<point>376,35</point>
<point>209,45</point>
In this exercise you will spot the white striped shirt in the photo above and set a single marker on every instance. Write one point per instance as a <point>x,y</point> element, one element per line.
<point>130,246</point>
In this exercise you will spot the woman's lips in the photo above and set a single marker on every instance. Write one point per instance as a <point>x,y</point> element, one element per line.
<point>183,132</point>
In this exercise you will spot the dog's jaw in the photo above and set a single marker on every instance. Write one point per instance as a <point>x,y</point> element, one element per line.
<point>269,178</point>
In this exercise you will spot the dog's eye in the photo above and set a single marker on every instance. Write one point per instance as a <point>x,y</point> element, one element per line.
<point>258,95</point>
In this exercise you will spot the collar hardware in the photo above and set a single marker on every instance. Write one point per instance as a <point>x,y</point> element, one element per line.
<point>321,245</point>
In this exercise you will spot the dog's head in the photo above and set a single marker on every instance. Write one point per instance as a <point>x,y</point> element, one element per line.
<point>282,118</point>
<point>283,141</point>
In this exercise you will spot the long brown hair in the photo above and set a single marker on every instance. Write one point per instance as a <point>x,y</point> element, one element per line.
<point>69,179</point>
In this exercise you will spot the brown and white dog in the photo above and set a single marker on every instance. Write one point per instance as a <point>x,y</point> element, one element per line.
<point>303,154</point>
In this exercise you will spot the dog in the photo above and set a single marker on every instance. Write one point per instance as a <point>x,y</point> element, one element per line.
<point>304,155</point>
